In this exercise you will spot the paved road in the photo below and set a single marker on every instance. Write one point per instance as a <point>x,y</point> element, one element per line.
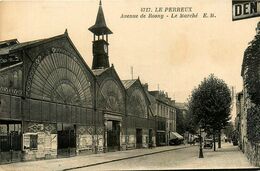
<point>170,157</point>
<point>187,158</point>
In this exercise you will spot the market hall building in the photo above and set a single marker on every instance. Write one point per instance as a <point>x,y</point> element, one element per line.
<point>53,105</point>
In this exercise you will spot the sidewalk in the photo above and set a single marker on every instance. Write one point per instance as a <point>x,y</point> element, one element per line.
<point>81,161</point>
<point>228,156</point>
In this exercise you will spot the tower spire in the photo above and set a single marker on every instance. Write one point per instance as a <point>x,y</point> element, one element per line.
<point>100,27</point>
<point>100,44</point>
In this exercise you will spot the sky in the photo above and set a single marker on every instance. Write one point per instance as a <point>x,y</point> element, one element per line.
<point>172,54</point>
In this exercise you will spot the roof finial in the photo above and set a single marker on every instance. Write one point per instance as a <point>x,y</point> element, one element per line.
<point>100,3</point>
<point>66,31</point>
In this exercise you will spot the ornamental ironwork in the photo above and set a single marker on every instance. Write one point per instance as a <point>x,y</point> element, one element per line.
<point>60,77</point>
<point>137,104</point>
<point>111,97</point>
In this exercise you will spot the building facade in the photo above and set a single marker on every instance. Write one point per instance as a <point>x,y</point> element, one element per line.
<point>52,104</point>
<point>165,114</point>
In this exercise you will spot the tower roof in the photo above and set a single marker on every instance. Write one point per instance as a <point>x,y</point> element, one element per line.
<point>100,26</point>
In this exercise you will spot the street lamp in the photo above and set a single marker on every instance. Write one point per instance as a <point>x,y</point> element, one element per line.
<point>201,152</point>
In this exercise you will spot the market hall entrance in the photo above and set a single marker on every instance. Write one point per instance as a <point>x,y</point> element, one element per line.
<point>66,140</point>
<point>10,141</point>
<point>113,135</point>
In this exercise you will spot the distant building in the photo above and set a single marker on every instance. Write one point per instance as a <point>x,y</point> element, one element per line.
<point>165,114</point>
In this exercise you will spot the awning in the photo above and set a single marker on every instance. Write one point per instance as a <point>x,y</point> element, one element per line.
<point>174,135</point>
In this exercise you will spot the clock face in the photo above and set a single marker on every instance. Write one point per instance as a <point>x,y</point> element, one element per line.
<point>105,48</point>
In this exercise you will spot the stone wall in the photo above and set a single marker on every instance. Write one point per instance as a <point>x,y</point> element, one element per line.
<point>252,152</point>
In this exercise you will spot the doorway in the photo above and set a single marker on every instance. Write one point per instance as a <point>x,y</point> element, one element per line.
<point>66,140</point>
<point>139,138</point>
<point>113,135</point>
<point>150,138</point>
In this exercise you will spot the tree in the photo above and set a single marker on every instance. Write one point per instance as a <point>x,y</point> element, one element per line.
<point>210,105</point>
<point>184,122</point>
<point>180,122</point>
<point>251,78</point>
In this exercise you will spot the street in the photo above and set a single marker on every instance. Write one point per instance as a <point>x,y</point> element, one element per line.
<point>228,157</point>
<point>169,157</point>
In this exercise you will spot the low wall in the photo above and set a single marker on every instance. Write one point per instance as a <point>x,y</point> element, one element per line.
<point>252,152</point>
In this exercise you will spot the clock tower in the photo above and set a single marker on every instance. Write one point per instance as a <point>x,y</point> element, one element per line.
<point>100,41</point>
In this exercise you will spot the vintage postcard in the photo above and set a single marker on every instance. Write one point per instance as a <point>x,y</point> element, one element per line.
<point>129,85</point>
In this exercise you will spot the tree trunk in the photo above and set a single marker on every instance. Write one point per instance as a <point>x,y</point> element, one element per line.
<point>214,140</point>
<point>219,139</point>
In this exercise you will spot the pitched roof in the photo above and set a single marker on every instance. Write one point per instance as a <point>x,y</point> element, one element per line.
<point>8,49</point>
<point>100,26</point>
<point>128,83</point>
<point>150,97</point>
<point>17,46</point>
<point>6,43</point>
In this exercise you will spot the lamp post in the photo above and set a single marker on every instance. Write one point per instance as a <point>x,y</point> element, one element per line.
<point>201,152</point>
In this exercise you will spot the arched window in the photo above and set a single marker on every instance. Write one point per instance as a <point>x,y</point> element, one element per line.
<point>111,97</point>
<point>61,78</point>
<point>137,104</point>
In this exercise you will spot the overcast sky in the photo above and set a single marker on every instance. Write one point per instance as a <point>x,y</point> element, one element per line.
<point>174,53</point>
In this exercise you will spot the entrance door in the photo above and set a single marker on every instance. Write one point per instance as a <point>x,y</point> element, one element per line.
<point>139,138</point>
<point>113,135</point>
<point>10,141</point>
<point>160,138</point>
<point>150,137</point>
<point>66,140</point>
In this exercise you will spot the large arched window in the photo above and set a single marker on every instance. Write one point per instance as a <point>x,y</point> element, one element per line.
<point>60,78</point>
<point>137,105</point>
<point>111,97</point>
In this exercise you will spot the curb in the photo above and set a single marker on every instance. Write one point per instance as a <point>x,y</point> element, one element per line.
<point>125,158</point>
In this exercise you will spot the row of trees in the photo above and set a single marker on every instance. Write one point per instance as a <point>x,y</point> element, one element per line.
<point>209,107</point>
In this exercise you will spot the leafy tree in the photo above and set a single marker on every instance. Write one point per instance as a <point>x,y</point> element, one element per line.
<point>180,122</point>
<point>251,78</point>
<point>210,105</point>
<point>185,122</point>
